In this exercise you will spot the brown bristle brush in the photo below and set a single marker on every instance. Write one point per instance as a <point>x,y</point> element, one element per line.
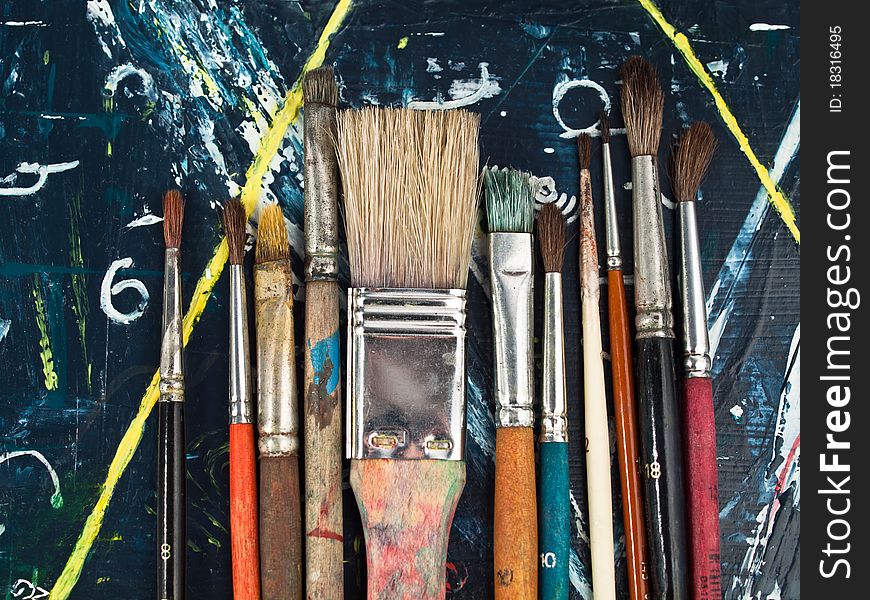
<point>410,187</point>
<point>277,412</point>
<point>243,454</point>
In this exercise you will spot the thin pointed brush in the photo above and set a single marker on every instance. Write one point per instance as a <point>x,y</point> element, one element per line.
<point>510,213</point>
<point>243,454</point>
<point>410,189</point>
<point>659,414</point>
<point>598,484</point>
<point>622,365</point>
<point>277,412</point>
<point>691,159</point>
<point>171,472</point>
<point>324,570</point>
<point>555,517</point>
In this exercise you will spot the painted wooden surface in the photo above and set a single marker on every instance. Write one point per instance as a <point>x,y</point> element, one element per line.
<point>104,104</point>
<point>244,525</point>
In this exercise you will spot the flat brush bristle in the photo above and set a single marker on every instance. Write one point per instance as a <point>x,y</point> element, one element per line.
<point>272,242</point>
<point>604,126</point>
<point>410,195</point>
<point>551,237</point>
<point>642,104</point>
<point>235,220</point>
<point>692,155</point>
<point>173,218</point>
<point>584,149</point>
<point>510,205</point>
<point>319,87</point>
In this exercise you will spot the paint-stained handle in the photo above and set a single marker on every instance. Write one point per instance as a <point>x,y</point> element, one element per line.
<point>280,528</point>
<point>555,521</point>
<point>407,508</point>
<point>243,513</point>
<point>662,469</point>
<point>702,484</point>
<point>171,474</point>
<point>324,572</point>
<point>515,531</point>
<point>625,413</point>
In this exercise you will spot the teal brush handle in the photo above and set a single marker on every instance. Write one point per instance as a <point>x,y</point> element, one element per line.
<point>555,525</point>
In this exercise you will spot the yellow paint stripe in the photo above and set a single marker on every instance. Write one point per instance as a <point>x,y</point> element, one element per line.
<point>269,146</point>
<point>777,198</point>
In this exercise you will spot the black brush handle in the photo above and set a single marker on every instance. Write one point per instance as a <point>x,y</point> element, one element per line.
<point>662,469</point>
<point>171,474</point>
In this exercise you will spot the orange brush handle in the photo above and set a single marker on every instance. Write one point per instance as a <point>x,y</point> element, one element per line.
<point>243,513</point>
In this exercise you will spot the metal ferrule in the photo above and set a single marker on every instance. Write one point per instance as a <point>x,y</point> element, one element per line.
<point>554,407</point>
<point>321,193</point>
<point>406,373</point>
<point>611,226</point>
<point>696,353</point>
<point>171,362</point>
<point>241,390</point>
<point>652,290</point>
<point>277,404</point>
<point>512,282</point>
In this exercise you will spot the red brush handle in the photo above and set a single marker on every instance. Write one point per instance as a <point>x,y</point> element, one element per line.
<point>243,513</point>
<point>702,483</point>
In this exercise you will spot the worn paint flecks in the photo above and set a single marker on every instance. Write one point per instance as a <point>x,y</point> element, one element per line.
<point>325,362</point>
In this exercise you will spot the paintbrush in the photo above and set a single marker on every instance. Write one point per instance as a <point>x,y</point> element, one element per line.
<point>555,518</point>
<point>598,484</point>
<point>410,187</point>
<point>622,365</point>
<point>510,213</point>
<point>659,414</point>
<point>691,159</point>
<point>171,473</point>
<point>243,461</point>
<point>324,572</point>
<point>277,418</point>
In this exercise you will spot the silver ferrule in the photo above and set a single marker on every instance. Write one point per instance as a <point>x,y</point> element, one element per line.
<point>512,282</point>
<point>554,407</point>
<point>652,290</point>
<point>171,362</point>
<point>611,226</point>
<point>241,390</point>
<point>696,350</point>
<point>277,403</point>
<point>321,193</point>
<point>406,373</point>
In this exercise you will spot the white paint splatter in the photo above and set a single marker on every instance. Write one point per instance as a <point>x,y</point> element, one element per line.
<point>121,72</point>
<point>33,591</point>
<point>594,129</point>
<point>143,221</point>
<point>24,24</point>
<point>107,290</point>
<point>503,113</point>
<point>549,150</point>
<point>463,92</point>
<point>481,426</point>
<point>100,14</point>
<point>766,27</point>
<point>737,411</point>
<point>718,67</point>
<point>432,66</point>
<point>5,324</point>
<point>41,171</point>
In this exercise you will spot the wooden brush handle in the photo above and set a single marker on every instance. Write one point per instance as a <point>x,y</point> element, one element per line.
<point>555,521</point>
<point>662,475</point>
<point>171,476</point>
<point>280,528</point>
<point>407,508</point>
<point>515,531</point>
<point>324,571</point>
<point>702,482</point>
<point>243,513</point>
<point>626,436</point>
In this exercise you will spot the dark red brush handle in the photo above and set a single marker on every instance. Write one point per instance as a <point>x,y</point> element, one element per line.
<point>702,486</point>
<point>243,513</point>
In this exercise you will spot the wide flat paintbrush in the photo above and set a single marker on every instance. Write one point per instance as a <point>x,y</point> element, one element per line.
<point>622,367</point>
<point>324,573</point>
<point>598,484</point>
<point>277,408</point>
<point>691,159</point>
<point>510,212</point>
<point>660,422</point>
<point>171,472</point>
<point>243,452</point>
<point>410,187</point>
<point>555,517</point>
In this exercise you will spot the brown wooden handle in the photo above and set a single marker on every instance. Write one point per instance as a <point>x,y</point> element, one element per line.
<point>324,570</point>
<point>515,531</point>
<point>280,528</point>
<point>625,411</point>
<point>243,512</point>
<point>407,508</point>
